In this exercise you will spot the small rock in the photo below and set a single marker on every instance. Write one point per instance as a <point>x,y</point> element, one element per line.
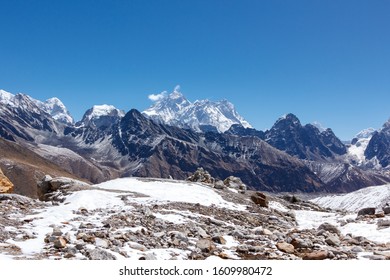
<point>137,246</point>
<point>70,253</point>
<point>205,245</point>
<point>101,243</point>
<point>367,211</point>
<point>219,185</point>
<point>267,232</point>
<point>316,256</point>
<point>260,199</point>
<point>56,232</point>
<point>60,243</point>
<point>244,249</point>
<point>329,228</point>
<point>386,210</point>
<point>201,232</point>
<point>357,249</point>
<point>383,223</point>
<point>219,240</point>
<point>333,240</point>
<point>377,258</point>
<point>285,247</point>
<point>301,244</point>
<point>99,254</point>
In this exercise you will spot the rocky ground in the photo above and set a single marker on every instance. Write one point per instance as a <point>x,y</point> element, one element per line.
<point>174,230</point>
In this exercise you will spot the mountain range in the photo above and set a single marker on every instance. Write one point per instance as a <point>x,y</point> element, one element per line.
<point>173,138</point>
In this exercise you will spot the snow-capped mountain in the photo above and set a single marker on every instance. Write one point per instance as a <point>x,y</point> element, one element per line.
<point>202,115</point>
<point>101,115</point>
<point>52,106</point>
<point>358,146</point>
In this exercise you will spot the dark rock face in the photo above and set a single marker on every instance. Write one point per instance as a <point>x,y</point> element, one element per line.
<point>304,142</point>
<point>379,146</point>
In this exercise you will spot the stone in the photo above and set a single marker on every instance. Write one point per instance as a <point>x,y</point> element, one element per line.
<point>6,186</point>
<point>386,210</point>
<point>219,185</point>
<point>201,232</point>
<point>260,199</point>
<point>60,243</point>
<point>102,243</point>
<point>357,249</point>
<point>267,232</point>
<point>383,223</point>
<point>206,245</point>
<point>301,244</point>
<point>244,249</point>
<point>99,254</point>
<point>329,228</point>
<point>367,211</point>
<point>285,247</point>
<point>333,240</point>
<point>56,232</point>
<point>201,176</point>
<point>219,240</point>
<point>70,252</point>
<point>315,256</point>
<point>137,246</point>
<point>234,183</point>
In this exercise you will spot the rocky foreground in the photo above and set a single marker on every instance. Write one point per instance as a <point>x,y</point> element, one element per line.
<point>140,219</point>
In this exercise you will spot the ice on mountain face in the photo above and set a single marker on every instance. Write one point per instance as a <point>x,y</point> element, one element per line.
<point>175,109</point>
<point>359,145</point>
<point>101,115</point>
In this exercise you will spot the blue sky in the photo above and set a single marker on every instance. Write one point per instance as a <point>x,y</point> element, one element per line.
<point>325,61</point>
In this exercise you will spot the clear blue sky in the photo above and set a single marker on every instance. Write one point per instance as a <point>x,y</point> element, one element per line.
<point>325,61</point>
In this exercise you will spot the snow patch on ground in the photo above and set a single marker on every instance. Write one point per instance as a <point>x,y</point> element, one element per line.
<point>163,192</point>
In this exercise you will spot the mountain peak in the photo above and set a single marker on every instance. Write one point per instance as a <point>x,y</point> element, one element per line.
<point>174,109</point>
<point>288,118</point>
<point>100,115</point>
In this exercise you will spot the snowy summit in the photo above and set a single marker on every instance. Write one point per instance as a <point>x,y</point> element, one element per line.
<point>201,115</point>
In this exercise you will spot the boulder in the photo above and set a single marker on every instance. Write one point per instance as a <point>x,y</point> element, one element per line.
<point>260,199</point>
<point>316,256</point>
<point>201,176</point>
<point>206,245</point>
<point>219,185</point>
<point>329,228</point>
<point>60,243</point>
<point>333,240</point>
<point>386,210</point>
<point>235,183</point>
<point>383,223</point>
<point>367,211</point>
<point>285,247</point>
<point>6,186</point>
<point>98,254</point>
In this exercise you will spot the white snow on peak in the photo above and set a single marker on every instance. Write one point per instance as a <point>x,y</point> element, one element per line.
<point>6,97</point>
<point>375,197</point>
<point>104,110</point>
<point>366,133</point>
<point>175,109</point>
<point>52,106</point>
<point>357,149</point>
